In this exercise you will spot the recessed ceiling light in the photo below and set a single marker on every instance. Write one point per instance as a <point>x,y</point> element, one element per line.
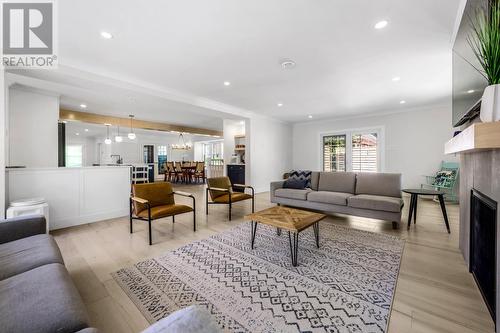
<point>227,83</point>
<point>396,79</point>
<point>106,35</point>
<point>309,116</point>
<point>402,102</point>
<point>86,130</point>
<point>77,133</point>
<point>280,104</point>
<point>381,24</point>
<point>471,91</point>
<point>83,106</point>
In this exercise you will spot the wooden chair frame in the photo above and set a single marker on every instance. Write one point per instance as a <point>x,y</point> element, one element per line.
<point>230,204</point>
<point>149,219</point>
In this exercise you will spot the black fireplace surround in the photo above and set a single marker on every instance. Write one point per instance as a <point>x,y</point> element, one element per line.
<point>483,231</point>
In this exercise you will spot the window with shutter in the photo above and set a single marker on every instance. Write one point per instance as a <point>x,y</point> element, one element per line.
<point>334,153</point>
<point>364,152</point>
<point>353,150</point>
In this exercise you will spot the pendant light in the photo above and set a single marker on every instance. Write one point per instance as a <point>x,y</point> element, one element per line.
<point>182,145</point>
<point>108,140</point>
<point>131,134</point>
<point>118,137</point>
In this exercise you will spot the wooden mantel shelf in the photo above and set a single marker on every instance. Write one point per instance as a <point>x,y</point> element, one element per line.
<point>476,137</point>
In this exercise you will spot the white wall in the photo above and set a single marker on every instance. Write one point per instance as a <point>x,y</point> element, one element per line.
<point>33,121</point>
<point>270,153</point>
<point>414,140</point>
<point>3,107</point>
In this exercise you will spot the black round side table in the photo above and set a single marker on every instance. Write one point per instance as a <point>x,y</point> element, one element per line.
<point>414,200</point>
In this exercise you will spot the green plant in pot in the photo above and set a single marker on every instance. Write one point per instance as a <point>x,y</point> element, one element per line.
<point>485,42</point>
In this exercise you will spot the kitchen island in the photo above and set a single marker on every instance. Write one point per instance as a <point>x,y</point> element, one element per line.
<point>75,195</point>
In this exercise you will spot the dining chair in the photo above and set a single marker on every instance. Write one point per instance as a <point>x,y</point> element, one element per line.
<point>153,201</point>
<point>199,172</point>
<point>179,173</point>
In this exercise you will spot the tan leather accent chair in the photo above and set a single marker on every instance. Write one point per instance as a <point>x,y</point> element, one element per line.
<point>152,201</point>
<point>220,190</point>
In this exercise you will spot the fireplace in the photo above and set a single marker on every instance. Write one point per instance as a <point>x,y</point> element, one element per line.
<point>483,231</point>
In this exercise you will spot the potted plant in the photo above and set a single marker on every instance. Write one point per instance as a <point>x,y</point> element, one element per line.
<point>485,42</point>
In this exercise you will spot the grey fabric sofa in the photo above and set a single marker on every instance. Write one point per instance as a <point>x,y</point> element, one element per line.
<point>374,195</point>
<point>36,291</point>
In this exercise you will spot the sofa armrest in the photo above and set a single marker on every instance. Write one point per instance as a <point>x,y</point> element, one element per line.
<point>274,186</point>
<point>21,227</point>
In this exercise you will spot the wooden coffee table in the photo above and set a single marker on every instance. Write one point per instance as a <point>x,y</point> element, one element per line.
<point>290,219</point>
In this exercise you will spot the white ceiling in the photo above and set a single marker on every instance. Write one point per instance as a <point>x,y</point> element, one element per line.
<point>189,48</point>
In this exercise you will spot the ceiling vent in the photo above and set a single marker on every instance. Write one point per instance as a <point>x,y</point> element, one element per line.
<point>288,64</point>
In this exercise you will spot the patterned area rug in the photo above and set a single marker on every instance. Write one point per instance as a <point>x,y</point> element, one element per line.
<point>347,285</point>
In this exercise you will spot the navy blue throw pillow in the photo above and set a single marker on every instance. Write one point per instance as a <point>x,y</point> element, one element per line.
<point>297,184</point>
<point>301,175</point>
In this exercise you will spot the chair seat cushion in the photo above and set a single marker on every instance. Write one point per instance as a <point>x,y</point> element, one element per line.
<point>234,197</point>
<point>292,193</point>
<point>375,202</point>
<point>165,211</point>
<point>41,300</point>
<point>334,198</point>
<point>27,253</point>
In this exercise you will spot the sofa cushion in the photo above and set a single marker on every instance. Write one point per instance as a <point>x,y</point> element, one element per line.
<point>385,184</point>
<point>334,198</point>
<point>343,182</point>
<point>27,253</point>
<point>314,180</point>
<point>292,193</point>
<point>375,202</point>
<point>192,319</point>
<point>41,300</point>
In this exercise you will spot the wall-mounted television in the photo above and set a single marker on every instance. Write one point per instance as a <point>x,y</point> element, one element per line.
<point>468,83</point>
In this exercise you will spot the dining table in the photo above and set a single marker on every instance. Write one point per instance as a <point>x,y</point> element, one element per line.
<point>187,172</point>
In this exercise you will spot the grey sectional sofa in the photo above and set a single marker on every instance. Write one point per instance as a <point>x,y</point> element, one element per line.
<point>374,195</point>
<point>36,291</point>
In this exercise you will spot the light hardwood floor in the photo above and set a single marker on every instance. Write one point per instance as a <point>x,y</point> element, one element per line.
<point>435,292</point>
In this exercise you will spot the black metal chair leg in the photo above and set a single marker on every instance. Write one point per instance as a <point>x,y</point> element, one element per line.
<point>206,201</point>
<point>131,222</point>
<point>230,206</point>
<point>194,214</point>
<point>278,231</point>
<point>194,220</point>
<point>149,224</point>
<point>253,204</point>
<point>443,209</point>
<point>173,218</point>
<point>150,236</point>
